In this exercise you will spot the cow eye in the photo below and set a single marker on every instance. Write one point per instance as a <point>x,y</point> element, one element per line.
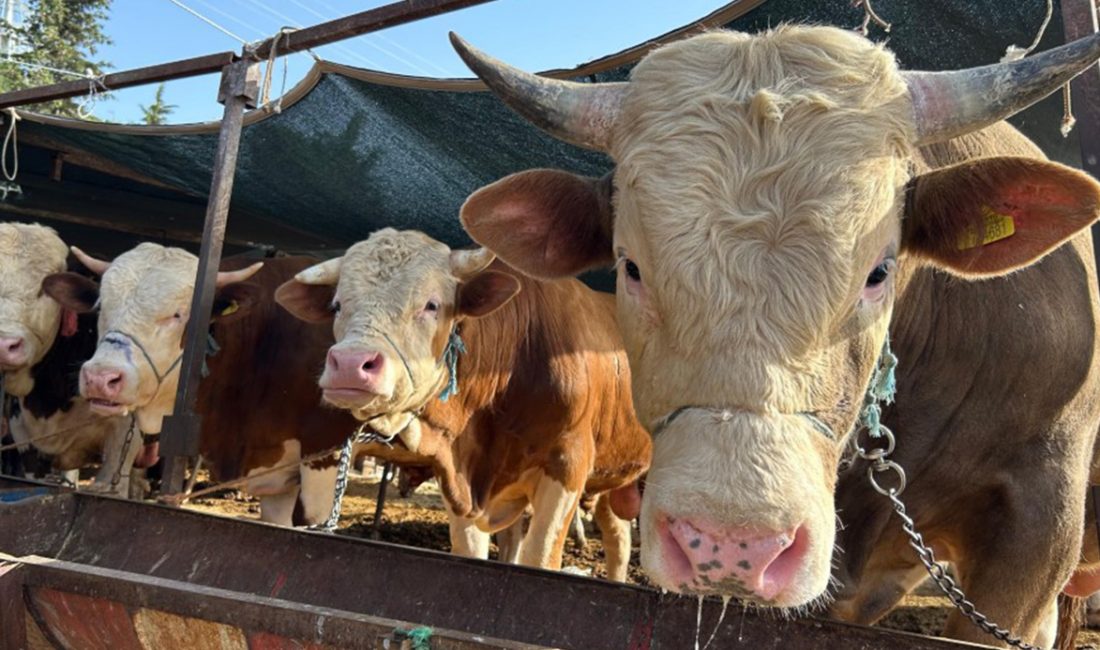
<point>431,306</point>
<point>335,307</point>
<point>879,274</point>
<point>632,271</point>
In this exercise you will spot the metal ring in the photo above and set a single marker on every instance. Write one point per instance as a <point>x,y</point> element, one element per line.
<point>874,469</point>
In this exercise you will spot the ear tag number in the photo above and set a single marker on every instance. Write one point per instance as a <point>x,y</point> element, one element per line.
<point>995,227</point>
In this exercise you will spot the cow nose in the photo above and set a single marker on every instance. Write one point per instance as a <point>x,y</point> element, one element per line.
<point>356,369</point>
<point>740,562</point>
<point>12,350</point>
<point>105,384</point>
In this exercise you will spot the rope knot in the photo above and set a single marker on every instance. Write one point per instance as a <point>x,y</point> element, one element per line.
<point>455,347</point>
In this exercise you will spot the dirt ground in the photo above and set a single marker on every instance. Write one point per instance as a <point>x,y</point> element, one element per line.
<point>419,520</point>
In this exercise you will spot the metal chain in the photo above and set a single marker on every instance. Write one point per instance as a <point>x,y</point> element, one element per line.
<point>362,435</point>
<point>879,463</point>
<point>122,457</point>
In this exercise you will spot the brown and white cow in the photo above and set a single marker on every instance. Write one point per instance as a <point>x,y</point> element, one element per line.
<point>41,347</point>
<point>542,410</point>
<point>782,201</point>
<point>259,404</point>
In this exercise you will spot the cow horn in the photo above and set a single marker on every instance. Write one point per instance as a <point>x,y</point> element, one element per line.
<point>229,277</point>
<point>949,104</point>
<point>581,114</point>
<point>327,272</point>
<point>94,265</point>
<point>465,264</point>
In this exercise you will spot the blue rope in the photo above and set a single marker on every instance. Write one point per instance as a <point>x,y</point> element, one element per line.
<point>420,638</point>
<point>881,390</point>
<point>455,347</point>
<point>212,348</point>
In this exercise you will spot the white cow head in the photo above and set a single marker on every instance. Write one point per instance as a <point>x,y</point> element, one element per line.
<point>394,301</point>
<point>30,320</point>
<point>144,302</point>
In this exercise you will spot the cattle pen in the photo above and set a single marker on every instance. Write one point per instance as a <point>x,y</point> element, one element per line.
<point>78,570</point>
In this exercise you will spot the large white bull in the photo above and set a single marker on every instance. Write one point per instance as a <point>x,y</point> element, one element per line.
<point>771,213</point>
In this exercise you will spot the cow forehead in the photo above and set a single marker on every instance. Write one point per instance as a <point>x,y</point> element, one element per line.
<point>398,262</point>
<point>29,252</point>
<point>752,169</point>
<point>148,277</point>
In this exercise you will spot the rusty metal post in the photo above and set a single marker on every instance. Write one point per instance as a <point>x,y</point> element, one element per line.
<point>1079,20</point>
<point>380,504</point>
<point>180,437</point>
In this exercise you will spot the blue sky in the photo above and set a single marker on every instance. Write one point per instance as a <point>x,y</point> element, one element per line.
<point>533,34</point>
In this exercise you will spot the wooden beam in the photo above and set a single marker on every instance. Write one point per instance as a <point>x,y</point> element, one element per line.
<point>364,22</point>
<point>1079,20</point>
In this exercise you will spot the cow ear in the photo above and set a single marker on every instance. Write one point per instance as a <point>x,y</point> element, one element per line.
<point>72,291</point>
<point>485,293</point>
<point>545,223</point>
<point>990,216</point>
<point>235,301</point>
<point>309,302</point>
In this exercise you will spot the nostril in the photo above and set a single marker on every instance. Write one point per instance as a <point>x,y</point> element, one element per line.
<point>114,381</point>
<point>373,362</point>
<point>15,346</point>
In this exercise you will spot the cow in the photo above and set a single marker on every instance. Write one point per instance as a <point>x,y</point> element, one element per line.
<point>259,405</point>
<point>780,202</point>
<point>41,347</point>
<point>518,390</point>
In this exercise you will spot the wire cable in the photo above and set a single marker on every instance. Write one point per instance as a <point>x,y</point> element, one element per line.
<point>208,21</point>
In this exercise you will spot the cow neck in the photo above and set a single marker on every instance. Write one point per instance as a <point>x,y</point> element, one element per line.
<point>880,391</point>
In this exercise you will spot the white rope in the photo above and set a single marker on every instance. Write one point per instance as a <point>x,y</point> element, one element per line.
<point>87,104</point>
<point>39,66</point>
<point>272,55</point>
<point>13,138</point>
<point>208,21</point>
<point>1015,53</point>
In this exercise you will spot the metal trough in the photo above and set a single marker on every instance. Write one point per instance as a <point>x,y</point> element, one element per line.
<point>82,571</point>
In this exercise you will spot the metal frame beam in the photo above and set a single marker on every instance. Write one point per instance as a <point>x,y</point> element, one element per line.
<point>1079,20</point>
<point>396,13</point>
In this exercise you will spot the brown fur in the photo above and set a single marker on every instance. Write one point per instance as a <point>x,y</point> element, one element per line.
<point>994,482</point>
<point>511,415</point>
<point>262,388</point>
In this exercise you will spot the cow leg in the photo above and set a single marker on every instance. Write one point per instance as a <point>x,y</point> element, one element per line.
<point>553,505</point>
<point>510,542</point>
<point>279,508</point>
<point>887,578</point>
<point>317,493</point>
<point>467,539</point>
<point>615,534</point>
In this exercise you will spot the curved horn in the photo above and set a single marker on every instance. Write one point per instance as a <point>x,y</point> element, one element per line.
<point>581,114</point>
<point>465,264</point>
<point>327,272</point>
<point>229,277</point>
<point>949,104</point>
<point>94,265</point>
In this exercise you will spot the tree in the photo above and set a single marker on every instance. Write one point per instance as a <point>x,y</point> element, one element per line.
<point>62,34</point>
<point>158,111</point>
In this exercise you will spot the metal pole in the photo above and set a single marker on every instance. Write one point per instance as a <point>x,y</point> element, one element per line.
<point>1079,20</point>
<point>180,437</point>
<point>380,505</point>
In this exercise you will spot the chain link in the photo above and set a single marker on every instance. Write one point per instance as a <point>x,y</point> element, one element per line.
<point>879,463</point>
<point>362,435</point>
<point>117,477</point>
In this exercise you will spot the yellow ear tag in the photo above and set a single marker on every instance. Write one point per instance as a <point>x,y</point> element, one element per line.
<point>231,309</point>
<point>995,226</point>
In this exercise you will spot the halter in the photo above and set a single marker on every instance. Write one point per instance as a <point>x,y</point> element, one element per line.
<point>880,391</point>
<point>161,376</point>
